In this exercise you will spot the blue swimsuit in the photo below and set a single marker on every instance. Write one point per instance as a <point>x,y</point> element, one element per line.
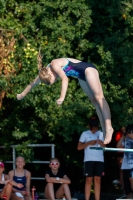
<point>77,70</point>
<point>21,180</point>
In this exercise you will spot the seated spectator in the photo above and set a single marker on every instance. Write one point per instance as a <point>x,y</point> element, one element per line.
<point>6,183</point>
<point>57,181</point>
<point>20,175</point>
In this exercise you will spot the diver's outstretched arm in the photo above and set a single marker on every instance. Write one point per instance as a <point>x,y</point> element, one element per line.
<point>29,88</point>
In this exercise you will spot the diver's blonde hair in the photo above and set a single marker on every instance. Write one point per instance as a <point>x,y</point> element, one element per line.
<point>43,71</point>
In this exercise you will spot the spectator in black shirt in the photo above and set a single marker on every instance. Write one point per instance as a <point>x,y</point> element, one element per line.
<point>57,182</point>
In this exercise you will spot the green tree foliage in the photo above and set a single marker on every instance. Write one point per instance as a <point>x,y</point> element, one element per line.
<point>59,28</point>
<point>95,31</point>
<point>112,35</point>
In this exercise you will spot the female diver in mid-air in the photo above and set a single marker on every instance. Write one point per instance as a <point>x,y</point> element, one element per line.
<point>88,78</point>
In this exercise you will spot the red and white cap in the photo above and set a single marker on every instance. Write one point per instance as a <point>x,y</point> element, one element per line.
<point>2,164</point>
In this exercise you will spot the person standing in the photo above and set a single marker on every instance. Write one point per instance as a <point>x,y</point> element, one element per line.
<point>126,142</point>
<point>93,159</point>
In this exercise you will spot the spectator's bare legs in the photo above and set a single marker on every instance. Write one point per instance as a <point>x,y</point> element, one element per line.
<point>88,183</point>
<point>131,183</point>
<point>63,189</point>
<point>6,190</point>
<point>49,191</point>
<point>97,187</point>
<point>28,197</point>
<point>87,91</point>
<point>15,197</point>
<point>119,160</point>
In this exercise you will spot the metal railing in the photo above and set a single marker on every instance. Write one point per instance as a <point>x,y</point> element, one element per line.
<point>31,145</point>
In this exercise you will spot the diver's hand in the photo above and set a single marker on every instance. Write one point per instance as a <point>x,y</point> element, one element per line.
<point>20,96</point>
<point>59,101</point>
